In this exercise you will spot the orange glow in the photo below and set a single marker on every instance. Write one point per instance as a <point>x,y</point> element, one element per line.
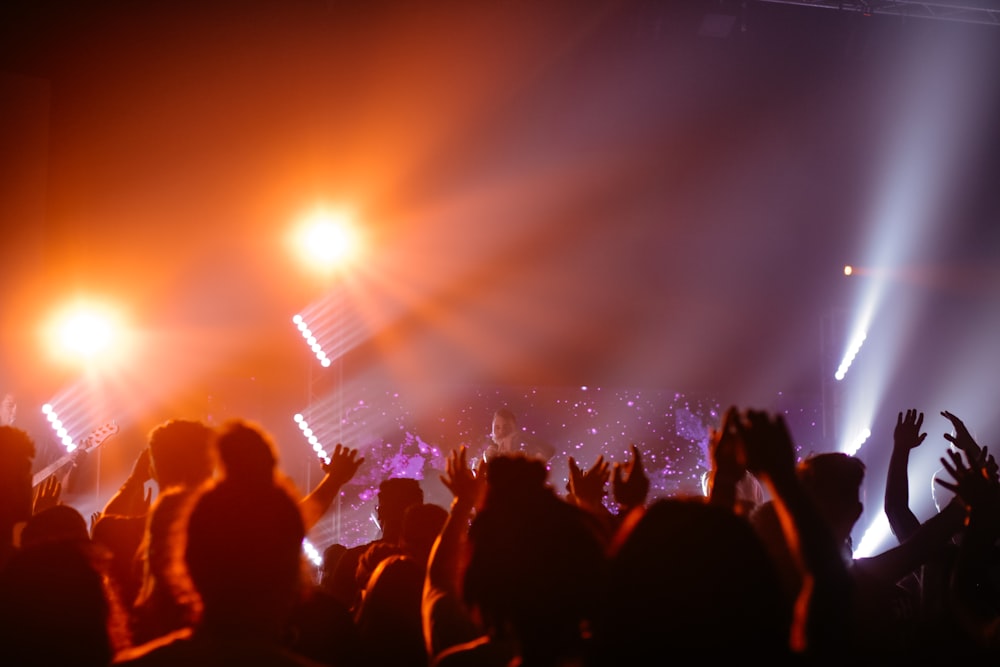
<point>86,331</point>
<point>327,240</point>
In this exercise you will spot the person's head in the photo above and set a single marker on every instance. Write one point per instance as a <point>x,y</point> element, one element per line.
<point>421,526</point>
<point>833,480</point>
<point>246,452</point>
<point>395,496</point>
<point>504,426</point>
<point>243,555</point>
<point>331,558</point>
<point>59,523</point>
<point>388,620</point>
<point>17,450</point>
<point>181,454</point>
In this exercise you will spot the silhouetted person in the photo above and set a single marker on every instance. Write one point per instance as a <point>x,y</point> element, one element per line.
<point>389,615</point>
<point>395,496</point>
<point>243,554</point>
<point>535,564</point>
<point>17,450</point>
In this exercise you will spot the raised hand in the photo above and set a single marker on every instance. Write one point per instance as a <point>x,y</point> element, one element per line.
<point>343,464</point>
<point>94,518</point>
<point>589,488</point>
<point>907,433</point>
<point>46,494</point>
<point>768,445</point>
<point>962,439</point>
<point>973,482</point>
<point>466,486</point>
<point>629,484</point>
<point>728,456</point>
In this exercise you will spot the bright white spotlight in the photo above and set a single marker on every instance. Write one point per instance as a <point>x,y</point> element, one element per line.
<point>326,239</point>
<point>310,437</point>
<point>852,447</point>
<point>312,553</point>
<point>86,331</point>
<point>852,352</point>
<point>848,270</point>
<point>311,340</point>
<point>873,538</point>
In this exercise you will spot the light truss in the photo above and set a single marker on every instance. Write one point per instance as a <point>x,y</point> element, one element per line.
<point>986,12</point>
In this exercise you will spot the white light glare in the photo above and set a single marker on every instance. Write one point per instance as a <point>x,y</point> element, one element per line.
<point>311,438</point>
<point>861,438</point>
<point>311,341</point>
<point>60,429</point>
<point>849,357</point>
<point>873,538</point>
<point>312,553</point>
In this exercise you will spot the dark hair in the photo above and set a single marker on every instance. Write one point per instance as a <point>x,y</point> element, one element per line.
<point>505,413</point>
<point>181,452</point>
<point>834,477</point>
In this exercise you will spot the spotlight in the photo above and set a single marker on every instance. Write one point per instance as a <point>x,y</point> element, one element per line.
<point>852,352</point>
<point>311,341</point>
<point>327,240</point>
<point>311,438</point>
<point>87,332</point>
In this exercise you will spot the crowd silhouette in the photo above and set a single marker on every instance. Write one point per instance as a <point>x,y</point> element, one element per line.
<point>514,572</point>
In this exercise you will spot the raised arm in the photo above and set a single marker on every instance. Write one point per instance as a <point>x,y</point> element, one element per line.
<point>822,609</point>
<point>132,499</point>
<point>728,463</point>
<point>979,488</point>
<point>905,438</point>
<point>446,622</point>
<point>343,464</point>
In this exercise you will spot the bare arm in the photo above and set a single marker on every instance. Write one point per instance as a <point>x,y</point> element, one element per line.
<point>343,464</point>
<point>441,585</point>
<point>905,438</point>
<point>132,498</point>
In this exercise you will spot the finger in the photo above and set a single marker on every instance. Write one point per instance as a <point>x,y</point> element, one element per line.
<point>947,466</point>
<point>948,485</point>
